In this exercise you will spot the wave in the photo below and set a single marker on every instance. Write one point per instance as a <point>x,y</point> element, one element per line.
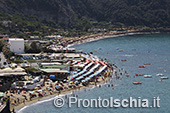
<point>47,99</point>
<point>40,101</point>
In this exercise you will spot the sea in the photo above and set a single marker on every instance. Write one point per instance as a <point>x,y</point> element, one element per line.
<point>137,50</point>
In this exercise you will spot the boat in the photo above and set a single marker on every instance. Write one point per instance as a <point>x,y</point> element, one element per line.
<point>164,77</point>
<point>121,50</point>
<point>123,60</point>
<point>139,74</point>
<point>141,66</point>
<point>147,63</point>
<point>127,75</point>
<point>137,83</point>
<point>159,74</point>
<point>147,76</point>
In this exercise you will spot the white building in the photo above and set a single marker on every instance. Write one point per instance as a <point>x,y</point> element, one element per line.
<point>16,45</point>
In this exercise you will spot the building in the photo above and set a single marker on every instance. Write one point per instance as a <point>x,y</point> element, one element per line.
<point>34,38</point>
<point>16,45</point>
<point>60,71</point>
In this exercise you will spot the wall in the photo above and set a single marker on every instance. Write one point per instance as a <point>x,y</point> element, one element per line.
<point>16,45</point>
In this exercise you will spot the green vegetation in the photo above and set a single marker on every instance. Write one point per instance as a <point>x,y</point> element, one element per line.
<point>17,61</point>
<point>31,61</point>
<point>31,70</point>
<point>36,48</point>
<point>1,44</point>
<point>24,18</point>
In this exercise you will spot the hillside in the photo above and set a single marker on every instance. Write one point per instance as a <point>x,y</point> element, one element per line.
<point>41,15</point>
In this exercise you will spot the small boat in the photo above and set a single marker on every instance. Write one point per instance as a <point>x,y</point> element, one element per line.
<point>133,49</point>
<point>127,75</point>
<point>121,50</point>
<point>159,74</point>
<point>137,83</point>
<point>123,60</point>
<point>139,74</point>
<point>164,77</point>
<point>147,76</point>
<point>147,63</point>
<point>141,66</point>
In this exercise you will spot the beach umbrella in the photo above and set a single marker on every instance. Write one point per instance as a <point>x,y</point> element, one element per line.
<point>1,94</point>
<point>52,77</point>
<point>38,85</point>
<point>24,86</point>
<point>88,78</point>
<point>36,88</point>
<point>31,92</point>
<point>65,80</point>
<point>57,86</point>
<point>39,90</point>
<point>18,69</point>
<point>23,91</point>
<point>83,81</point>
<point>76,82</point>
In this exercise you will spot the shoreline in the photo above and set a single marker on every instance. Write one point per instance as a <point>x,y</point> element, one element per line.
<point>20,107</point>
<point>108,35</point>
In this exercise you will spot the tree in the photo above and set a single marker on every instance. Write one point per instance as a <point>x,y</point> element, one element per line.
<point>34,48</point>
<point>1,44</point>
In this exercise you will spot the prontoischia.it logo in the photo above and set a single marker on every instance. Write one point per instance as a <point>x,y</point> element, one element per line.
<point>111,102</point>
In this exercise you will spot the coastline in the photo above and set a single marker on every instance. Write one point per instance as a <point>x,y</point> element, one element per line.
<point>99,36</point>
<point>51,97</point>
<point>47,98</point>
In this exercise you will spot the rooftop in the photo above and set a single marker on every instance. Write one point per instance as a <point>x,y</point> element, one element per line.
<point>17,39</point>
<point>54,71</point>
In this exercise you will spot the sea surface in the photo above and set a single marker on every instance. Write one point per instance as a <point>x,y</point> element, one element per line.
<point>137,50</point>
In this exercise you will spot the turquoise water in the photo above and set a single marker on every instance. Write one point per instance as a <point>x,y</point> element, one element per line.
<point>154,49</point>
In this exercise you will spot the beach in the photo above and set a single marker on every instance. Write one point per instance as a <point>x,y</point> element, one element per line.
<point>88,39</point>
<point>136,52</point>
<point>99,37</point>
<point>82,39</point>
<point>52,96</point>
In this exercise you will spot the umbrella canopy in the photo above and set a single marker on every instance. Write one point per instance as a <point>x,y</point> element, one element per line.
<point>83,81</point>
<point>71,81</point>
<point>76,81</point>
<point>57,86</point>
<point>18,69</point>
<point>88,78</point>
<point>23,91</point>
<point>36,88</point>
<point>8,70</point>
<point>1,94</point>
<point>31,92</point>
<point>38,85</point>
<point>24,86</point>
<point>52,77</point>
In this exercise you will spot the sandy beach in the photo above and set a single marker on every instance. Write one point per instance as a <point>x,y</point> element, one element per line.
<point>99,36</point>
<point>49,97</point>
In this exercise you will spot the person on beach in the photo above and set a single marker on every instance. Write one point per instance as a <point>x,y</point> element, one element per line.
<point>18,100</point>
<point>24,101</point>
<point>13,110</point>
